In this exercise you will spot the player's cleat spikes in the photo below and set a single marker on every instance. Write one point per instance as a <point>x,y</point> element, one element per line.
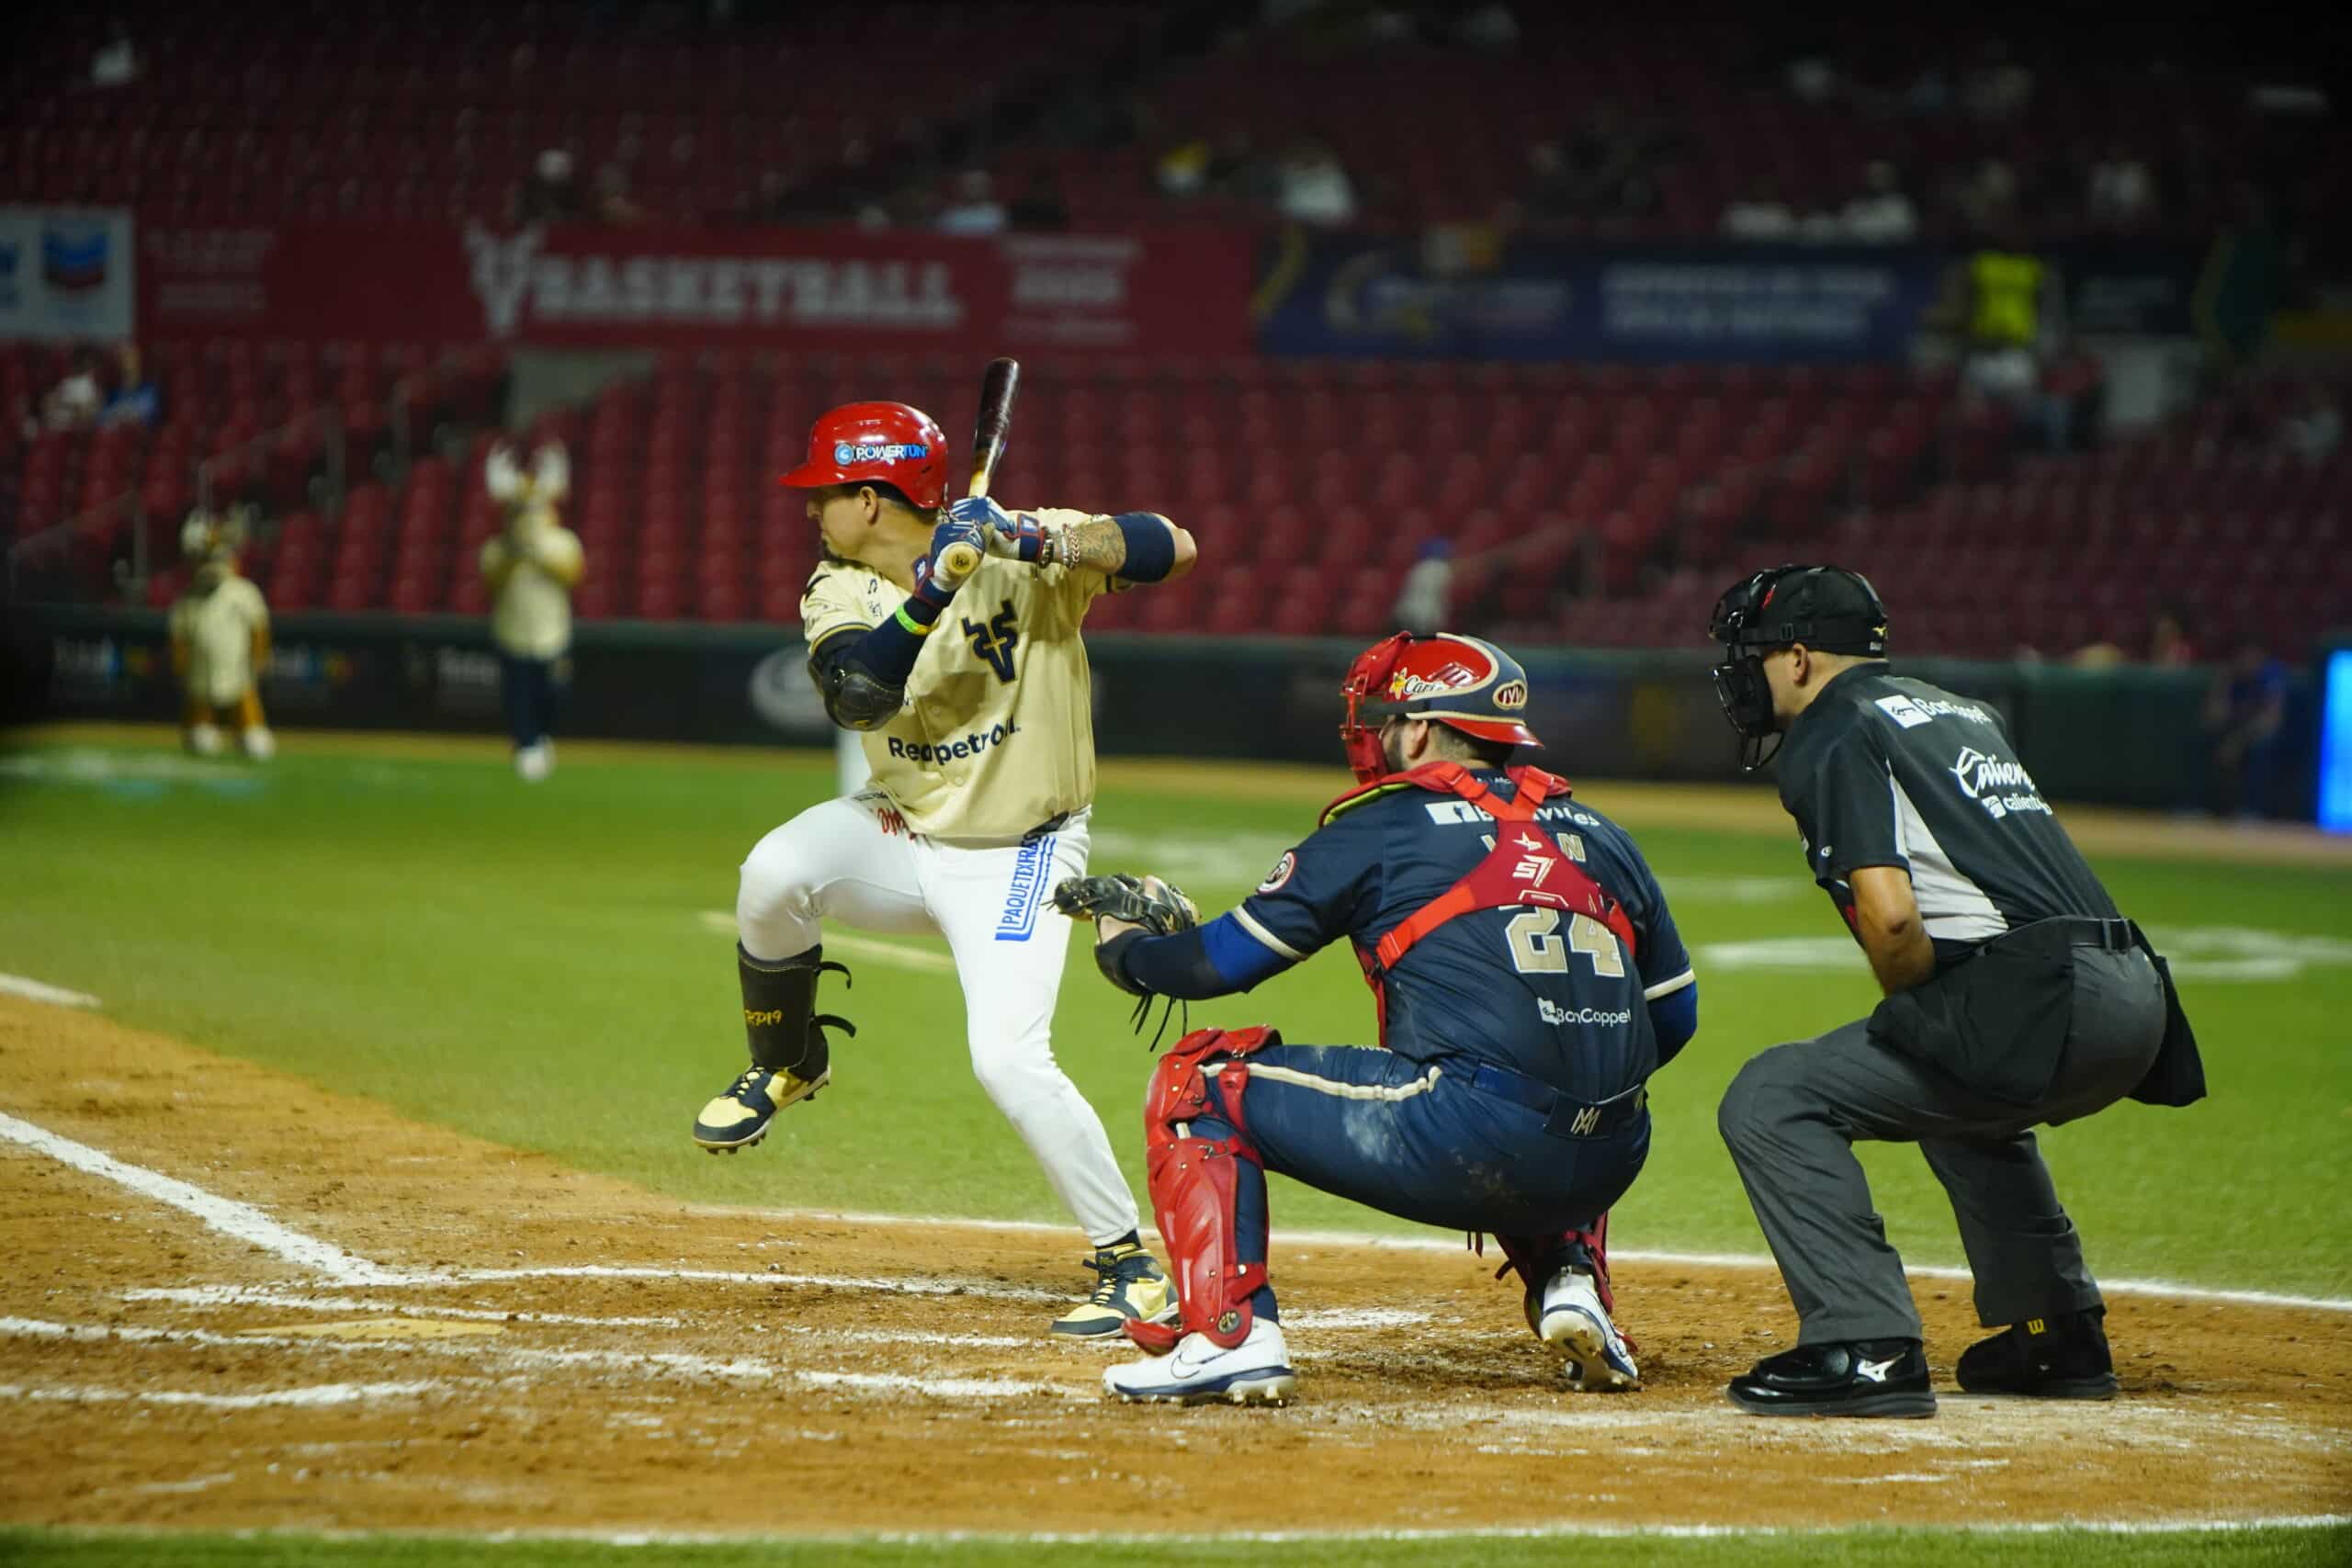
<point>1570,1318</point>
<point>1131,1286</point>
<point>1201,1371</point>
<point>2064,1357</point>
<point>739,1118</point>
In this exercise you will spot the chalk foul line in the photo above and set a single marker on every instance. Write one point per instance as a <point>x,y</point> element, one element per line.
<point>241,1221</point>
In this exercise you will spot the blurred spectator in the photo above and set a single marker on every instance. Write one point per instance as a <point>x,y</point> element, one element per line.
<point>2000,88</point>
<point>614,202</point>
<point>552,193</point>
<point>220,638</point>
<point>1762,217</point>
<point>2121,191</point>
<point>1037,206</point>
<point>2005,301</point>
<point>1548,195</point>
<point>2244,709</point>
<point>1183,169</point>
<point>1424,602</point>
<point>116,63</point>
<point>2315,431</point>
<point>1491,25</point>
<point>2073,406</point>
<point>1312,187</point>
<point>975,209</point>
<point>531,568</point>
<point>73,403</point>
<point>1812,78</point>
<point>136,400</point>
<point>1987,198</point>
<point>1608,163</point>
<point>1880,214</point>
<point>2170,647</point>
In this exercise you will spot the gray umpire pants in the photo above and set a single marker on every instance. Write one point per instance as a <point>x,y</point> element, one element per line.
<point>1793,1115</point>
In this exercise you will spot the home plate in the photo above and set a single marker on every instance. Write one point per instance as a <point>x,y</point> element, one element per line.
<point>384,1328</point>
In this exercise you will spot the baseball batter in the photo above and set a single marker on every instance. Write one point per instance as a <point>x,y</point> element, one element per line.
<point>975,702</point>
<point>219,634</point>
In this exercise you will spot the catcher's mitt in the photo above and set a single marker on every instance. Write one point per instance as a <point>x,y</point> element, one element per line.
<point>1158,906</point>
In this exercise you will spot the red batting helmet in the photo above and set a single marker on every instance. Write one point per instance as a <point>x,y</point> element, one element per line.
<point>1459,682</point>
<point>887,443</point>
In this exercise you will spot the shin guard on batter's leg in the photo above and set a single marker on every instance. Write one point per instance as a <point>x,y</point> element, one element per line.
<point>790,1057</point>
<point>780,1024</point>
<point>1195,1182</point>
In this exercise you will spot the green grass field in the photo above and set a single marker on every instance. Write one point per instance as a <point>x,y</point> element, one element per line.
<point>538,966</point>
<point>2279,1548</point>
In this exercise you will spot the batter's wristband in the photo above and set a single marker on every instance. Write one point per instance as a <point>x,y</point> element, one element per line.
<point>919,628</point>
<point>1151,547</point>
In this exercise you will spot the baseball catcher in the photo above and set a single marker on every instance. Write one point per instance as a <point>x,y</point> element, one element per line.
<point>1528,980</point>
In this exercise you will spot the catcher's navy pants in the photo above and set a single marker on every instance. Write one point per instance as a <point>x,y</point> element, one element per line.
<point>1424,1140</point>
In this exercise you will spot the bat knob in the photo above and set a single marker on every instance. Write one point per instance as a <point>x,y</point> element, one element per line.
<point>959,560</point>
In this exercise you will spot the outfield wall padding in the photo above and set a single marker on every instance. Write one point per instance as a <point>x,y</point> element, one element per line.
<point>2130,735</point>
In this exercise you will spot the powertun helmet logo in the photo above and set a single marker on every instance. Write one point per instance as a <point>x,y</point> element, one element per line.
<point>848,452</point>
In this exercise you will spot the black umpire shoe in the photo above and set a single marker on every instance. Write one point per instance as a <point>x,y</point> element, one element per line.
<point>2055,1358</point>
<point>1863,1377</point>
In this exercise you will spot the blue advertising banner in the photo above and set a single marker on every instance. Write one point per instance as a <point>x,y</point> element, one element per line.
<point>1433,298</point>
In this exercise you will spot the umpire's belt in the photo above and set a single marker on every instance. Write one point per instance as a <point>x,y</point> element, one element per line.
<point>1565,1117</point>
<point>2080,930</point>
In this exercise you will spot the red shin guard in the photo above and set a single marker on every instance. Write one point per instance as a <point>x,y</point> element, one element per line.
<point>1194,1184</point>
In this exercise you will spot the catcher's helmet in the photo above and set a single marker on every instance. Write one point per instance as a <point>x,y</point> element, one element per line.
<point>1456,680</point>
<point>886,442</point>
<point>1823,607</point>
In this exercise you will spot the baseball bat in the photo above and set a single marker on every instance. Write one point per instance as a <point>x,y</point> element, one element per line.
<point>989,431</point>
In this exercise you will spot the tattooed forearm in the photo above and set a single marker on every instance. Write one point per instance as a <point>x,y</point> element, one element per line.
<point>1094,545</point>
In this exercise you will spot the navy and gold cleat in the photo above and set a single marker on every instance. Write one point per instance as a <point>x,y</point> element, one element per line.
<point>738,1118</point>
<point>1131,1288</point>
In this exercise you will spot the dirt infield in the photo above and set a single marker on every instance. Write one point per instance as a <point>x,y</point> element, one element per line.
<point>367,1323</point>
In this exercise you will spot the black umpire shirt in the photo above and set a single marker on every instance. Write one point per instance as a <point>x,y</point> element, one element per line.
<point>1881,770</point>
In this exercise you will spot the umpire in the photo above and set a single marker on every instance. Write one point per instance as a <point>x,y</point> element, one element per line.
<point>2015,994</point>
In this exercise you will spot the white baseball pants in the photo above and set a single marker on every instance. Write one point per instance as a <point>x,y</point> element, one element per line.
<point>853,861</point>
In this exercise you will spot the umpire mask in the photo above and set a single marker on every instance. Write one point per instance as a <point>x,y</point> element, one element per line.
<point>1823,607</point>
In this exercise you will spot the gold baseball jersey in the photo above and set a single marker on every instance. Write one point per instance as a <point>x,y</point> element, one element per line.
<point>532,618</point>
<point>997,733</point>
<point>218,629</point>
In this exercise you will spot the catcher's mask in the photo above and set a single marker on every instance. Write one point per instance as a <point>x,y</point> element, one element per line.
<point>1469,685</point>
<point>1823,607</point>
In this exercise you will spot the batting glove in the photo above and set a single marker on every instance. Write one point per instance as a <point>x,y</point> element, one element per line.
<point>1012,536</point>
<point>931,568</point>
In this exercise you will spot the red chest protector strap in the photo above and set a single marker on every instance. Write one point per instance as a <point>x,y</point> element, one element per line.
<point>1526,867</point>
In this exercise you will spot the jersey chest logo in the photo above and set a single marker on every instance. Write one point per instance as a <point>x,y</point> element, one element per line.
<point>995,640</point>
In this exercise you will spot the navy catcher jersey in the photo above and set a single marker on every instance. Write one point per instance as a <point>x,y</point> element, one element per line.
<point>1550,994</point>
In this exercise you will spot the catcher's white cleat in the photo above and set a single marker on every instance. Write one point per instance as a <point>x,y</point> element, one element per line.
<point>1201,1371</point>
<point>1572,1320</point>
